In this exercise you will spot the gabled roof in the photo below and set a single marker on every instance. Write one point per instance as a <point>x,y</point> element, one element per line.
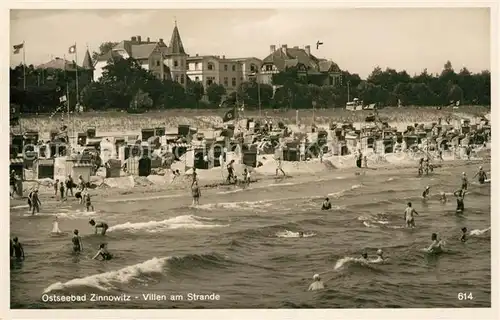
<point>109,55</point>
<point>142,51</point>
<point>285,58</point>
<point>60,64</point>
<point>176,46</point>
<point>87,61</point>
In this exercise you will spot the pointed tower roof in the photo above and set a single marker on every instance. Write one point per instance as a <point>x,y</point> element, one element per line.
<point>87,61</point>
<point>176,46</point>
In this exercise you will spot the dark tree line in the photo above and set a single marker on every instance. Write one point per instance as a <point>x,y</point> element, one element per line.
<point>124,85</point>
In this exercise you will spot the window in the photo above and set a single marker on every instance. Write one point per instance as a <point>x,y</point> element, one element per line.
<point>269,67</point>
<point>176,78</point>
<point>187,66</point>
<point>225,67</point>
<point>182,79</point>
<point>196,66</point>
<point>253,68</point>
<point>226,82</point>
<point>234,67</point>
<point>157,63</point>
<point>210,80</point>
<point>176,63</point>
<point>233,82</point>
<point>197,79</point>
<point>210,66</point>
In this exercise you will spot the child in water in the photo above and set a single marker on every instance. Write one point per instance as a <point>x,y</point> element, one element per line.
<point>88,203</point>
<point>77,242</point>
<point>18,249</point>
<point>103,253</point>
<point>435,246</point>
<point>443,197</point>
<point>426,192</point>
<point>195,189</point>
<point>326,204</point>
<point>55,226</point>
<point>463,238</point>
<point>101,225</point>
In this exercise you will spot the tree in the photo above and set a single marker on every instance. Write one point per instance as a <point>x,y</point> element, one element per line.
<point>140,102</point>
<point>249,93</point>
<point>215,92</point>
<point>104,48</point>
<point>93,96</point>
<point>195,92</point>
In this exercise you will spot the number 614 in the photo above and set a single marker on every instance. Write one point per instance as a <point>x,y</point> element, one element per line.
<point>465,296</point>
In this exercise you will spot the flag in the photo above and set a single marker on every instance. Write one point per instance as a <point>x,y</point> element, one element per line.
<point>62,99</point>
<point>18,47</point>
<point>229,115</point>
<point>318,44</point>
<point>72,49</point>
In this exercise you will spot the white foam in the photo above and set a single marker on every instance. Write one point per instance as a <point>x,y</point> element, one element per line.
<point>179,222</point>
<point>478,232</point>
<point>21,206</point>
<point>291,234</point>
<point>145,198</point>
<point>341,262</point>
<point>104,281</point>
<point>55,227</point>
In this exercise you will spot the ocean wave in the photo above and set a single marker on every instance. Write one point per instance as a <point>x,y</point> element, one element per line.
<point>141,272</point>
<point>179,222</point>
<point>113,279</point>
<point>144,198</point>
<point>347,261</point>
<point>291,234</point>
<point>341,193</point>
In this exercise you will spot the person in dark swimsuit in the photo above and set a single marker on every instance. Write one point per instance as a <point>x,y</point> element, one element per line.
<point>481,175</point>
<point>100,225</point>
<point>195,177</point>
<point>30,203</point>
<point>77,242</point>
<point>88,203</point>
<point>426,192</point>
<point>230,172</point>
<point>35,202</point>
<point>103,253</point>
<point>69,185</point>
<point>62,190</point>
<point>327,205</point>
<point>463,238</point>
<point>18,249</point>
<point>465,182</point>
<point>460,195</point>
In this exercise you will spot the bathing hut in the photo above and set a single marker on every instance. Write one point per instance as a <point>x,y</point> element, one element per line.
<point>43,168</point>
<point>147,133</point>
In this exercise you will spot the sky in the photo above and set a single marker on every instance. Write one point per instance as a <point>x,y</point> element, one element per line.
<point>358,40</point>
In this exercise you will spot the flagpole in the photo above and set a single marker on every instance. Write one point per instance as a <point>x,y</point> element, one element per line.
<point>76,58</point>
<point>67,86</point>
<point>24,66</point>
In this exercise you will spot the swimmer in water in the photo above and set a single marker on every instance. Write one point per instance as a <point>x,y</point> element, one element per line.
<point>100,225</point>
<point>426,192</point>
<point>463,238</point>
<point>317,284</point>
<point>481,175</point>
<point>103,253</point>
<point>301,234</point>
<point>435,246</point>
<point>380,254</point>
<point>465,182</point>
<point>364,256</point>
<point>409,212</point>
<point>460,195</point>
<point>326,204</point>
<point>18,249</point>
<point>77,242</point>
<point>443,198</point>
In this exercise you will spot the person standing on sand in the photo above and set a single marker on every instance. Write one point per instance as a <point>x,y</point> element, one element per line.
<point>56,188</point>
<point>279,167</point>
<point>359,159</point>
<point>465,182</point>
<point>195,177</point>
<point>35,202</point>
<point>61,190</point>
<point>230,172</point>
<point>69,185</point>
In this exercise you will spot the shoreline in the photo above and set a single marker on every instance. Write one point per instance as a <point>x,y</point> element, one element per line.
<point>209,182</point>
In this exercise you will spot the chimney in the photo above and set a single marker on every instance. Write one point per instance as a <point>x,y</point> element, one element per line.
<point>149,40</point>
<point>273,48</point>
<point>308,50</point>
<point>139,39</point>
<point>196,54</point>
<point>161,40</point>
<point>283,48</point>
<point>134,39</point>
<point>223,57</point>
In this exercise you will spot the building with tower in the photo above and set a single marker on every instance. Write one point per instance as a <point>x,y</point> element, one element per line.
<point>176,58</point>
